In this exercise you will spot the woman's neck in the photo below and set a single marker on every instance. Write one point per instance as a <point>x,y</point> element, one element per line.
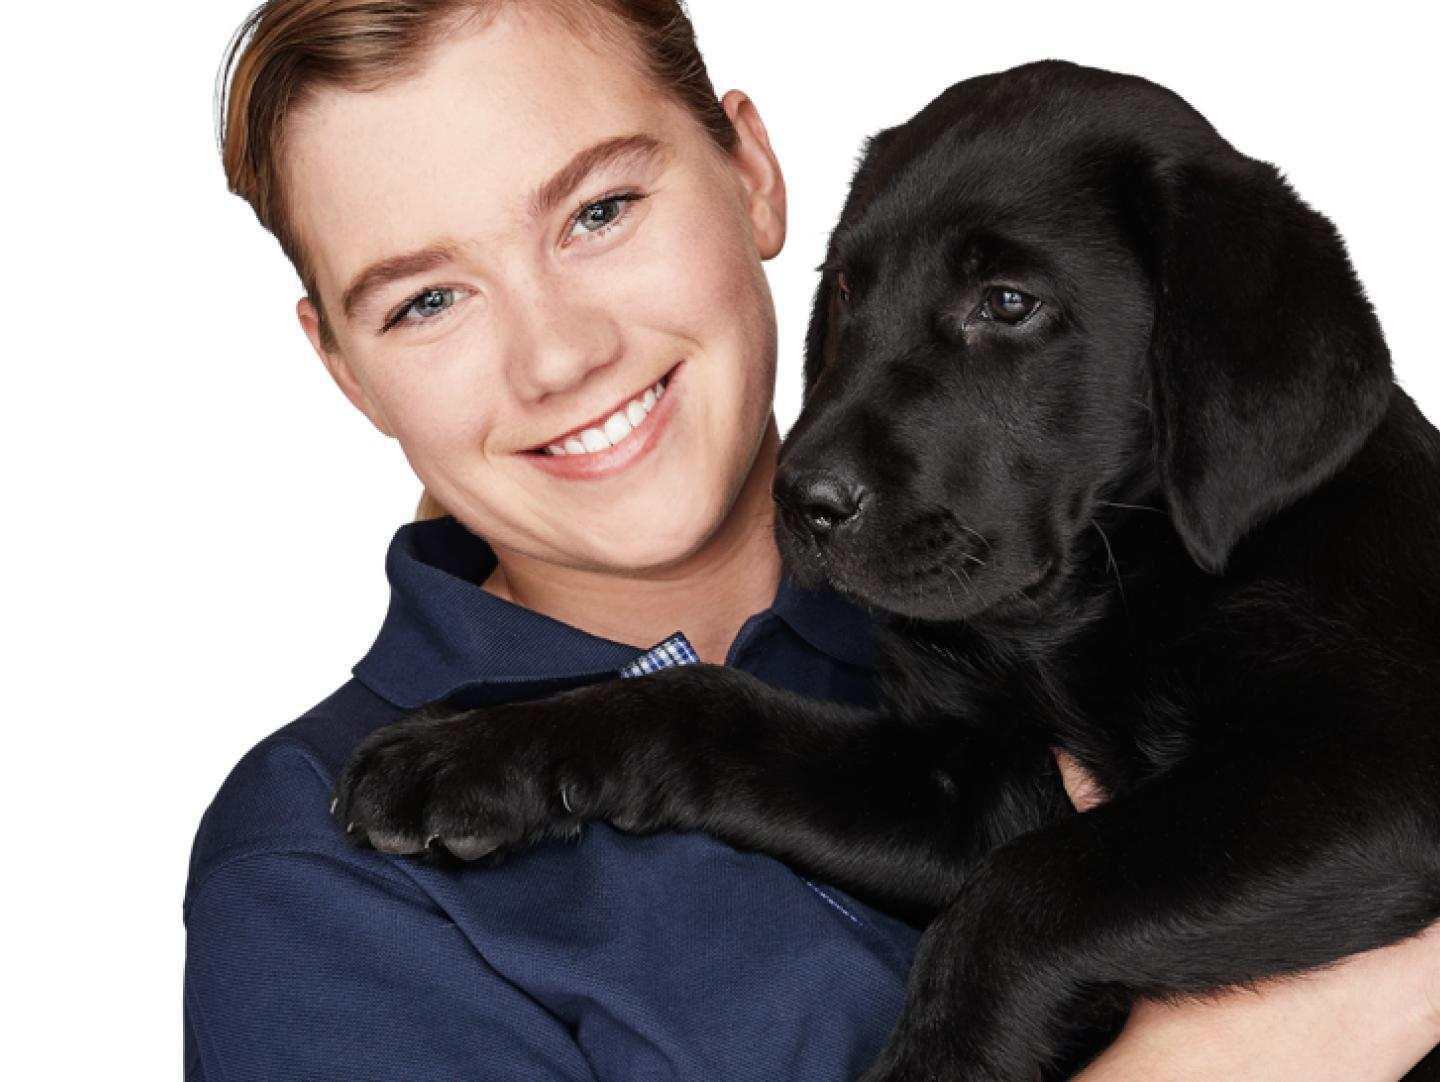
<point>709,595</point>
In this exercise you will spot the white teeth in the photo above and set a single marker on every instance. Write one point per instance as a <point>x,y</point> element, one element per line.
<point>594,440</point>
<point>617,427</point>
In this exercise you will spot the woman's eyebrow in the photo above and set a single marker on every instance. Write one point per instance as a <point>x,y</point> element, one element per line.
<point>638,148</point>
<point>393,269</point>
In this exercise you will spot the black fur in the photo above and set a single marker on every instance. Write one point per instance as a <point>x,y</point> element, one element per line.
<point>1179,521</point>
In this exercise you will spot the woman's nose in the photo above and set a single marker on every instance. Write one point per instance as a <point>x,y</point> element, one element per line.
<point>558,341</point>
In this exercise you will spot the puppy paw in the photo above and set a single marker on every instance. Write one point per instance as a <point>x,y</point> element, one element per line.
<point>471,784</point>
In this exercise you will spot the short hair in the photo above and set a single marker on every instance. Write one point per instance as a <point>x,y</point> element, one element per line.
<point>285,50</point>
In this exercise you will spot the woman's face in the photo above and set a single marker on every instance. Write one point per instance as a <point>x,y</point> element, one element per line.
<point>539,299</point>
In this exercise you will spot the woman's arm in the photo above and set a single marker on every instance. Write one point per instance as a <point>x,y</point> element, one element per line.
<point>1369,1018</point>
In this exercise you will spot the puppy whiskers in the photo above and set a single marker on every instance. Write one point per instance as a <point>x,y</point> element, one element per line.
<point>1132,506</point>
<point>953,602</point>
<point>975,533</point>
<point>1110,554</point>
<point>965,584</point>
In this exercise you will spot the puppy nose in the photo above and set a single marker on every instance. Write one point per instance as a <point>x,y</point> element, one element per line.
<point>822,499</point>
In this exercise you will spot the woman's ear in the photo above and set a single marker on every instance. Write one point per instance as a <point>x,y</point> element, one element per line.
<point>338,367</point>
<point>759,171</point>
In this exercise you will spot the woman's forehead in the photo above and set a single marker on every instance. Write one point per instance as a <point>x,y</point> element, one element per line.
<point>467,141</point>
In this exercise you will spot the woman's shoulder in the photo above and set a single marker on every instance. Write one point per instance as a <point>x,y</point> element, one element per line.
<point>276,799</point>
<point>634,944</point>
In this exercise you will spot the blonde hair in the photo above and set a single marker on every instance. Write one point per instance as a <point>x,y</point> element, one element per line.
<point>286,50</point>
<point>429,507</point>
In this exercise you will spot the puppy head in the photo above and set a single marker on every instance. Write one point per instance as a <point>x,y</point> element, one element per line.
<point>1056,287</point>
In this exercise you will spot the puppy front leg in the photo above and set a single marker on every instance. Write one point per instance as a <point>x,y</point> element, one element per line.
<point>1206,879</point>
<point>844,795</point>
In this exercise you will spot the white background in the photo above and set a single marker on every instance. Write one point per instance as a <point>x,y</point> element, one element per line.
<point>195,519</point>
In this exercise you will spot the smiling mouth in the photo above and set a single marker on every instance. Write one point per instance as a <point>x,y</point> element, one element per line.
<point>601,434</point>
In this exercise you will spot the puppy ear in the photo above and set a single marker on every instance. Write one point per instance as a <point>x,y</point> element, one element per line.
<point>1268,369</point>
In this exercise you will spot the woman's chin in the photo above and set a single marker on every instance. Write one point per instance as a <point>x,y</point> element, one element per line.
<point>662,533</point>
<point>640,546</point>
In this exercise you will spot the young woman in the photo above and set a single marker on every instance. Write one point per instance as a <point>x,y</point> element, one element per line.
<point>531,240</point>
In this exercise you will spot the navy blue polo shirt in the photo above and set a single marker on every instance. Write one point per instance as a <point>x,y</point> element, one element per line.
<point>616,958</point>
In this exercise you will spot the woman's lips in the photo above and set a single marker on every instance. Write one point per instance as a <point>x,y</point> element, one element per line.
<point>614,429</point>
<point>620,440</point>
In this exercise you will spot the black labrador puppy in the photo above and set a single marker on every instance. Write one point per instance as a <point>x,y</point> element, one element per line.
<point>1100,420</point>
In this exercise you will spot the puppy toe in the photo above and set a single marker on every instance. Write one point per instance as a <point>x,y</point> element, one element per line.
<point>396,843</point>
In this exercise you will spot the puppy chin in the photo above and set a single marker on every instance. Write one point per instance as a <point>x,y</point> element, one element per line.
<point>941,599</point>
<point>802,559</point>
<point>943,592</point>
<point>813,568</point>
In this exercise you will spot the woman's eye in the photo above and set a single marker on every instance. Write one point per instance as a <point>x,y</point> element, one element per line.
<point>431,302</point>
<point>595,219</point>
<point>1009,305</point>
<point>424,307</point>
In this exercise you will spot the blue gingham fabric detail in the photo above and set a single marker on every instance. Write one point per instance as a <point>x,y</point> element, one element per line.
<point>673,651</point>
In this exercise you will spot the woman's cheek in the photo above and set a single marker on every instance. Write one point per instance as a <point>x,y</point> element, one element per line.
<point>722,282</point>
<point>446,398</point>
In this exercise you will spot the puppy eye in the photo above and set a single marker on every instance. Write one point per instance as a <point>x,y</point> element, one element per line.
<point>1009,305</point>
<point>842,284</point>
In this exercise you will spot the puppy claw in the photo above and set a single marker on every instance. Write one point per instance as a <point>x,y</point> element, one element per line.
<point>471,848</point>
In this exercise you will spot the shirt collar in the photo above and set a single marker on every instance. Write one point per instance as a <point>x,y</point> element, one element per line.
<point>443,631</point>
